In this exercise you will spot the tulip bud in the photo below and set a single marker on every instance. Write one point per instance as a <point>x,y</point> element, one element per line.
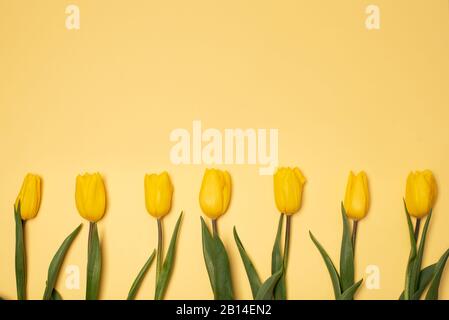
<point>215,193</point>
<point>90,196</point>
<point>420,193</point>
<point>158,194</point>
<point>29,197</point>
<point>288,187</point>
<point>356,201</point>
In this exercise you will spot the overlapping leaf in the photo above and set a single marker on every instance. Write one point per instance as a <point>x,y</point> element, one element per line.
<point>217,264</point>
<point>251,272</point>
<point>56,263</point>
<point>21,276</point>
<point>93,264</point>
<point>167,267</point>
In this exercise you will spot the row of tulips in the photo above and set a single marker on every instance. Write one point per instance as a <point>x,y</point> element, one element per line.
<point>214,199</point>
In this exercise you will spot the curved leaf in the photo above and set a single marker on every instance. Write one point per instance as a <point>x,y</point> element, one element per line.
<point>348,294</point>
<point>251,272</point>
<point>165,274</point>
<point>432,293</point>
<point>424,279</point>
<point>20,259</point>
<point>346,254</point>
<point>56,263</point>
<point>208,253</point>
<point>277,262</point>
<point>93,263</point>
<point>266,289</point>
<point>330,267</point>
<point>138,281</point>
<point>217,264</point>
<point>409,290</point>
<point>419,255</point>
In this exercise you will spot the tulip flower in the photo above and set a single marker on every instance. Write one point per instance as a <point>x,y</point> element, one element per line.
<point>158,198</point>
<point>357,196</point>
<point>356,202</point>
<point>420,193</point>
<point>29,197</point>
<point>355,207</point>
<point>215,193</point>
<point>158,194</point>
<point>214,198</point>
<point>90,196</point>
<point>26,207</point>
<point>420,196</point>
<point>288,186</point>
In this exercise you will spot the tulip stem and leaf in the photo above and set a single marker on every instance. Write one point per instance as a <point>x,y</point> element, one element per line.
<point>160,256</point>
<point>55,266</point>
<point>267,289</point>
<point>138,281</point>
<point>166,266</point>
<point>343,283</point>
<point>93,263</point>
<point>217,264</point>
<point>279,260</point>
<point>417,279</point>
<point>21,272</point>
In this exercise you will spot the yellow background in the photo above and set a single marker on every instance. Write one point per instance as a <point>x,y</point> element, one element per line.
<point>106,97</point>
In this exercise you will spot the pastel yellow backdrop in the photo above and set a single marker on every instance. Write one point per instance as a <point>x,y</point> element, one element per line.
<point>106,97</point>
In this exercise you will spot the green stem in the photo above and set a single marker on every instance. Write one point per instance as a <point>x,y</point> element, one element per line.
<point>21,266</point>
<point>159,249</point>
<point>91,234</point>
<point>354,235</point>
<point>287,240</point>
<point>214,227</point>
<point>417,226</point>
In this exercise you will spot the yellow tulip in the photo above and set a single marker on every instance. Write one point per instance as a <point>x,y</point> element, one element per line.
<point>420,193</point>
<point>215,193</point>
<point>29,197</point>
<point>90,196</point>
<point>288,187</point>
<point>357,200</point>
<point>158,194</point>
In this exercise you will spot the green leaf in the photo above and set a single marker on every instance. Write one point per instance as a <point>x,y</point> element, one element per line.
<point>330,267</point>
<point>266,289</point>
<point>56,263</point>
<point>93,264</point>
<point>348,294</point>
<point>21,272</point>
<point>55,295</point>
<point>138,281</point>
<point>418,260</point>
<point>217,264</point>
<point>409,290</point>
<point>164,276</point>
<point>424,279</point>
<point>277,262</point>
<point>346,254</point>
<point>251,272</point>
<point>208,253</point>
<point>432,293</point>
